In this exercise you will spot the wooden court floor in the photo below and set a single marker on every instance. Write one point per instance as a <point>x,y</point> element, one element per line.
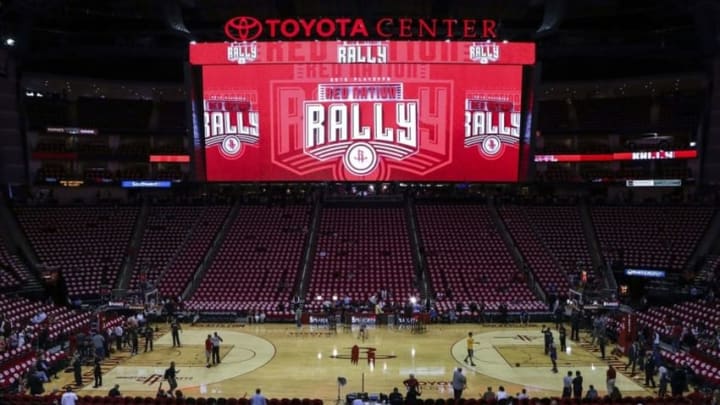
<point>287,362</point>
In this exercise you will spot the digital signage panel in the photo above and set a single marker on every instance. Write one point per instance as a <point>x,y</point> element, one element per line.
<point>362,111</point>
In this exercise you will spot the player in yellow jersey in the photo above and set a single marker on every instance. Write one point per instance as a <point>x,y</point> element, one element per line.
<point>470,349</point>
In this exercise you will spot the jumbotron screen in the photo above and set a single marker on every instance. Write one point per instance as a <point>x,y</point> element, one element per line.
<point>362,111</point>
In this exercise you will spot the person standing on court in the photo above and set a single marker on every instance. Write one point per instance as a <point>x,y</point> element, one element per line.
<point>413,390</point>
<point>641,357</point>
<point>149,335</point>
<point>97,373</point>
<point>208,350</point>
<point>171,377</point>
<point>567,385</point>
<point>633,356</point>
<point>77,368</point>
<point>563,335</point>
<point>650,372</point>
<point>99,343</point>
<point>470,341</point>
<point>577,386</point>
<point>134,341</point>
<point>258,398</point>
<point>459,383</point>
<point>553,357</point>
<point>371,356</point>
<point>216,339</point>
<point>664,380</point>
<point>602,342</point>
<point>547,337</point>
<point>363,331</point>
<point>355,354</point>
<point>118,332</point>
<point>610,377</point>
<point>175,328</point>
<point>298,317</point>
<point>575,326</point>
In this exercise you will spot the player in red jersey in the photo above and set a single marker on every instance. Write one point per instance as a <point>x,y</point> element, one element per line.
<point>371,356</point>
<point>413,390</point>
<point>354,354</point>
<point>208,350</point>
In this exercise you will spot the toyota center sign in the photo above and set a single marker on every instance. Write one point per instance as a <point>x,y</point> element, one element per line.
<point>247,28</point>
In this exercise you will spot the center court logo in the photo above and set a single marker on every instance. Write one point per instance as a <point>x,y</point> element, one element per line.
<point>364,352</point>
<point>241,354</point>
<point>361,124</point>
<point>149,380</point>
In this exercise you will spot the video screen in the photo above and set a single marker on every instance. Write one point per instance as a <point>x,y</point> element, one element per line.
<point>366,111</point>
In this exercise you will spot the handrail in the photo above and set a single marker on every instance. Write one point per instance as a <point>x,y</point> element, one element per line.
<point>212,251</point>
<point>311,244</point>
<point>416,247</point>
<point>515,252</point>
<point>181,248</point>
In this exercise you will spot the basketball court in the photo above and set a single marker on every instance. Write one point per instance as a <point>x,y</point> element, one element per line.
<point>287,362</point>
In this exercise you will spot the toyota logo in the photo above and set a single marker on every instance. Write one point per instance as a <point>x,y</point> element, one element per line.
<point>243,28</point>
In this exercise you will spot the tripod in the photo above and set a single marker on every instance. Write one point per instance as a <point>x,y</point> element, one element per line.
<point>341,381</point>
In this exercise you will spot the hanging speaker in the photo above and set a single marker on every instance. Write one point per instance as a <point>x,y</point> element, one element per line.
<point>174,17</point>
<point>4,61</point>
<point>707,25</point>
<point>552,17</point>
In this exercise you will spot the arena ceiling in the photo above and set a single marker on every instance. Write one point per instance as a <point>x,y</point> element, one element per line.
<point>148,39</point>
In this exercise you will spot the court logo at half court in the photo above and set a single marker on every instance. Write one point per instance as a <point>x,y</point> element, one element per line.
<point>364,352</point>
<point>151,379</point>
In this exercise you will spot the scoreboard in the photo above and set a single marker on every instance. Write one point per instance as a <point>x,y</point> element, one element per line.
<point>362,111</point>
